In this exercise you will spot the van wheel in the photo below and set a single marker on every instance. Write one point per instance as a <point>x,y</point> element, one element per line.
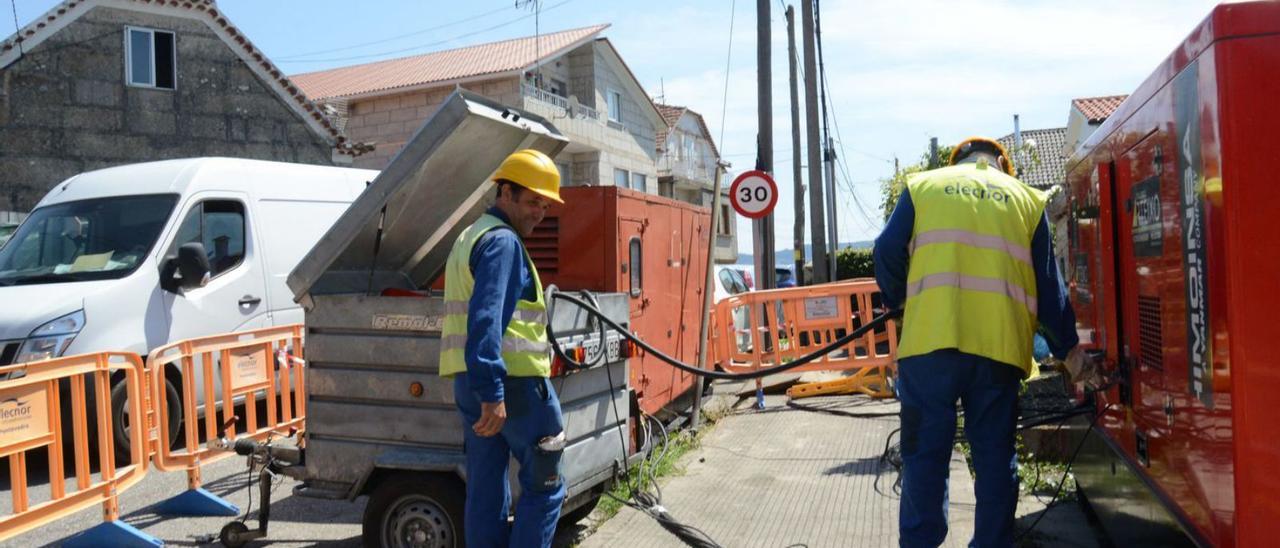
<point>121,421</point>
<point>416,509</point>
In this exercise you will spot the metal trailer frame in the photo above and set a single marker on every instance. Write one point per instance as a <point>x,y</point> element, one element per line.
<point>377,407</point>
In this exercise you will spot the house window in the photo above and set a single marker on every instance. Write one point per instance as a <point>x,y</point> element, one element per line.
<point>614,99</point>
<point>621,178</point>
<point>639,182</point>
<point>558,87</point>
<point>726,221</point>
<point>667,189</point>
<point>566,172</point>
<point>150,58</point>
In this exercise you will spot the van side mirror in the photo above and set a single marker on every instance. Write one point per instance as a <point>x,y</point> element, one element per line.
<point>191,264</point>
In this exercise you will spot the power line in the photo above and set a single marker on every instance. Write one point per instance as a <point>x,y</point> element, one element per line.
<point>724,98</point>
<point>17,30</point>
<point>432,44</point>
<point>393,38</point>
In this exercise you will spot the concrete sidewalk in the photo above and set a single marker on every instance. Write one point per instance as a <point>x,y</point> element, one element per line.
<point>784,477</point>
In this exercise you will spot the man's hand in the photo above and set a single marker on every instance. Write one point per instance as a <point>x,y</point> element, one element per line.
<point>492,416</point>
<point>1083,369</point>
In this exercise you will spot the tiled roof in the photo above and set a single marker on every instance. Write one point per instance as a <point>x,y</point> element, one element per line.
<point>671,115</point>
<point>1098,109</point>
<point>442,66</point>
<point>1050,150</point>
<point>64,13</point>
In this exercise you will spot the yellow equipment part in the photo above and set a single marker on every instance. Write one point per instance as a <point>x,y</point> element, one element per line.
<point>872,381</point>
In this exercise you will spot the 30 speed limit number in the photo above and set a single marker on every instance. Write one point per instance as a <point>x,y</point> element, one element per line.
<point>754,194</point>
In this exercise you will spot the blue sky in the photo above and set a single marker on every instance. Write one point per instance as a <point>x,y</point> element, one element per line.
<point>900,71</point>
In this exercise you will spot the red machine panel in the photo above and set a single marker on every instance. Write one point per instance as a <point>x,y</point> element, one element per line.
<point>1174,268</point>
<point>653,248</point>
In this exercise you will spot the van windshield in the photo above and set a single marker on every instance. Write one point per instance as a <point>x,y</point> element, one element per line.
<point>99,239</point>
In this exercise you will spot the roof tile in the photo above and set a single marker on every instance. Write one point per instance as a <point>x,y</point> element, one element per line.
<point>1050,160</point>
<point>478,60</point>
<point>1098,109</point>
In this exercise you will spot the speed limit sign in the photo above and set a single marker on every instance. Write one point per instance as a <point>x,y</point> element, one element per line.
<point>754,194</point>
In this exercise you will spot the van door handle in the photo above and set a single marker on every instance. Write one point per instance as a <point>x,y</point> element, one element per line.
<point>249,300</point>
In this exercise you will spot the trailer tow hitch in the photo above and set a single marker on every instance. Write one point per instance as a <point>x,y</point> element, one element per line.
<point>268,459</point>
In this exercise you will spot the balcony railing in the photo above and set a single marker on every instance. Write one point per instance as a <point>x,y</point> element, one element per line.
<point>552,99</point>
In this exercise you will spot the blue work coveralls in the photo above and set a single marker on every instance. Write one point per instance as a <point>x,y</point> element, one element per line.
<point>930,385</point>
<point>533,409</point>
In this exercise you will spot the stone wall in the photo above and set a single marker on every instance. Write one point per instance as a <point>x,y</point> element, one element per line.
<point>65,108</point>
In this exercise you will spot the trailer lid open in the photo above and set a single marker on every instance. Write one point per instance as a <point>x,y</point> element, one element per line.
<point>434,188</point>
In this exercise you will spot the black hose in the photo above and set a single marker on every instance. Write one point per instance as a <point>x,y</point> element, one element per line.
<point>550,294</point>
<point>803,360</point>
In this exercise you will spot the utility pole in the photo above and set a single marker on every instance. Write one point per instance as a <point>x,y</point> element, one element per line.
<point>795,147</point>
<point>933,153</point>
<point>763,247</point>
<point>828,150</point>
<point>818,231</point>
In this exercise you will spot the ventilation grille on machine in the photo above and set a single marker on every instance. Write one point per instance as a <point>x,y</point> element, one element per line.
<point>1150,338</point>
<point>544,246</point>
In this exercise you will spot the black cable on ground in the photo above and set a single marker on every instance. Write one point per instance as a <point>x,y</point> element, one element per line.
<point>1070,462</point>
<point>807,358</point>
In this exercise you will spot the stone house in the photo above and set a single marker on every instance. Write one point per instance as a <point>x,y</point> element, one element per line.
<point>575,78</point>
<point>96,83</point>
<point>688,164</point>
<point>1087,114</point>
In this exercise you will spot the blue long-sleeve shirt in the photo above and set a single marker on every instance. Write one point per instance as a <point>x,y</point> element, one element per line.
<point>502,278</point>
<point>892,257</point>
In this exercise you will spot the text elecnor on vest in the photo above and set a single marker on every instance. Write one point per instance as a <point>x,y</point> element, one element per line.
<point>977,192</point>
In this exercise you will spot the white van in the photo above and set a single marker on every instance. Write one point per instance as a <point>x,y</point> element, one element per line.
<point>115,259</point>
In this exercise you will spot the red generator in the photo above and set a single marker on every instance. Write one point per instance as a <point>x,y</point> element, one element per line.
<point>1174,266</point>
<point>652,248</point>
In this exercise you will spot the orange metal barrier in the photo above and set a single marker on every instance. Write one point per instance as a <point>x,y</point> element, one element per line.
<point>31,418</point>
<point>224,371</point>
<point>762,329</point>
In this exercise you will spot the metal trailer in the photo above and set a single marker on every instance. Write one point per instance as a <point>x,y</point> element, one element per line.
<point>1173,268</point>
<point>381,422</point>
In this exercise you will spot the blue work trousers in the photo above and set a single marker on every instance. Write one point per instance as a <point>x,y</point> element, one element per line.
<point>533,413</point>
<point>929,387</point>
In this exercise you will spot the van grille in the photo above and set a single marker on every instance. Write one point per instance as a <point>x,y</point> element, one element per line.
<point>8,351</point>
<point>544,245</point>
<point>1150,336</point>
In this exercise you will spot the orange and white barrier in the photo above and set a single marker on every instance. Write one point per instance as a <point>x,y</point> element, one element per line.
<point>33,397</point>
<point>221,373</point>
<point>763,329</point>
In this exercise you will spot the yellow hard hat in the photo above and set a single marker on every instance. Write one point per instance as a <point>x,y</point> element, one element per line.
<point>982,144</point>
<point>533,170</point>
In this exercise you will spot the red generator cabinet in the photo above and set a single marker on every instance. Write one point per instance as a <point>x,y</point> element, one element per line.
<point>1174,266</point>
<point>652,248</point>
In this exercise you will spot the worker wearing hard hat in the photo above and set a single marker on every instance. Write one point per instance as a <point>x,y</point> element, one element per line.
<point>967,251</point>
<point>494,345</point>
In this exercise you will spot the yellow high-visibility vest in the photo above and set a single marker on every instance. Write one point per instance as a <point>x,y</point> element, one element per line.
<point>525,348</point>
<point>971,285</point>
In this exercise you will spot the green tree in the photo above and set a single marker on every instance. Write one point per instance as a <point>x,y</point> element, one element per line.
<point>891,187</point>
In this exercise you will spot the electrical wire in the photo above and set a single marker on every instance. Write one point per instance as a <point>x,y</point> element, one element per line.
<point>1065,473</point>
<point>423,46</point>
<point>759,373</point>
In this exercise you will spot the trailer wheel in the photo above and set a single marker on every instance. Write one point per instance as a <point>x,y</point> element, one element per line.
<point>416,510</point>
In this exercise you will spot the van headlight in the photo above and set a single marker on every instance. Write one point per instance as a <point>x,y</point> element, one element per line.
<point>51,339</point>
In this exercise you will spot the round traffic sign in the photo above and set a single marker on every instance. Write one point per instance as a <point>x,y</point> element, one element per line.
<point>754,194</point>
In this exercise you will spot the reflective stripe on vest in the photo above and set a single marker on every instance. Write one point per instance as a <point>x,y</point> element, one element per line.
<point>970,283</point>
<point>525,349</point>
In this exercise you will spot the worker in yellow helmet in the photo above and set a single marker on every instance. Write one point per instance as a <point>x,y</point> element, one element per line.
<point>494,345</point>
<point>967,252</point>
